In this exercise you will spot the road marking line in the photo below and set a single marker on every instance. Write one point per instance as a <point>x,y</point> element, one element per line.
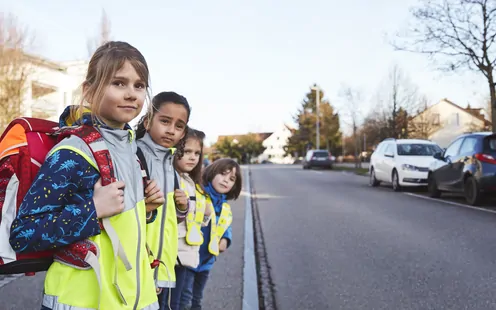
<point>451,203</point>
<point>250,281</point>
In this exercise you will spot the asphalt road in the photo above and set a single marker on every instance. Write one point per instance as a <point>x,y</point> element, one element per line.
<point>335,243</point>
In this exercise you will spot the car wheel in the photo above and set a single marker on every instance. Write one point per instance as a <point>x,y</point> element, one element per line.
<point>372,179</point>
<point>396,182</point>
<point>473,195</point>
<point>432,188</point>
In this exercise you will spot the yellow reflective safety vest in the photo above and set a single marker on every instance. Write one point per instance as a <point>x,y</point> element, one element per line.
<point>195,219</point>
<point>161,234</point>
<point>218,227</point>
<point>120,276</point>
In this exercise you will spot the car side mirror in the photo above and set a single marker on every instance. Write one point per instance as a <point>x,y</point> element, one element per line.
<point>390,155</point>
<point>439,155</point>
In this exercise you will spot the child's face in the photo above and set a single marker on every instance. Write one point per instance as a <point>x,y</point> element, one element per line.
<point>168,124</point>
<point>224,182</point>
<point>191,157</point>
<point>123,98</point>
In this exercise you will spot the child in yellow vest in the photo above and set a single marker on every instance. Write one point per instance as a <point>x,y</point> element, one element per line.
<point>157,133</point>
<point>188,164</point>
<point>69,207</point>
<point>222,182</point>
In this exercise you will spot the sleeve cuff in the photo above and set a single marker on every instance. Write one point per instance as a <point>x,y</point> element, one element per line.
<point>151,216</point>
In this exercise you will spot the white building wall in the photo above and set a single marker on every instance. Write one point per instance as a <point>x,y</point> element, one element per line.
<point>453,122</point>
<point>64,82</point>
<point>274,147</point>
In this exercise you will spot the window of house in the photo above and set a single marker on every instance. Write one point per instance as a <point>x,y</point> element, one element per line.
<point>455,119</point>
<point>436,119</point>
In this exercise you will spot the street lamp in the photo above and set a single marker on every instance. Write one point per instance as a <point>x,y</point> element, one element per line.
<point>317,90</point>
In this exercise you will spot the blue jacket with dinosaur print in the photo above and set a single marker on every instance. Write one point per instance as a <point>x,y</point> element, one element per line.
<point>58,209</point>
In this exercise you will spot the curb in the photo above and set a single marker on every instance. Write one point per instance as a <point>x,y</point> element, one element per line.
<point>250,282</point>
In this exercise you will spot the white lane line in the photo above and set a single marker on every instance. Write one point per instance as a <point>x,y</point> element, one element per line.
<point>250,282</point>
<point>451,203</point>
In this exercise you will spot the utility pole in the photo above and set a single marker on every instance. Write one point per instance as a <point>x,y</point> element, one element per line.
<point>342,138</point>
<point>318,119</point>
<point>317,101</point>
<point>364,142</point>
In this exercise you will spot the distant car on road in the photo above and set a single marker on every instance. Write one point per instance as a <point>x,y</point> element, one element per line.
<point>318,158</point>
<point>468,166</point>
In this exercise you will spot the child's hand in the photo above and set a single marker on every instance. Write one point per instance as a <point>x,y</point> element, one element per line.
<point>154,196</point>
<point>208,209</point>
<point>222,245</point>
<point>109,199</point>
<point>181,200</point>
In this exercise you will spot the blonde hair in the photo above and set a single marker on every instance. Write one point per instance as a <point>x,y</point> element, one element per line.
<point>105,62</point>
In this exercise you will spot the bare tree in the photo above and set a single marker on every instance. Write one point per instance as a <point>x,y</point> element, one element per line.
<point>352,98</point>
<point>425,122</point>
<point>14,68</point>
<point>398,98</point>
<point>102,37</point>
<point>462,32</point>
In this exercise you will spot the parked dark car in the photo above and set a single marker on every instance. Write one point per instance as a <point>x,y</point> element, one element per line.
<point>318,158</point>
<point>468,166</point>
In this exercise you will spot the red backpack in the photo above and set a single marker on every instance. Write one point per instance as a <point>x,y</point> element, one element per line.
<point>23,148</point>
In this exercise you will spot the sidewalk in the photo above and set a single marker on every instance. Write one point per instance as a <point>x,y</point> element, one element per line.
<point>224,289</point>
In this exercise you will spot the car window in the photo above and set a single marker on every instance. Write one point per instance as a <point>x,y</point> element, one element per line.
<point>468,145</point>
<point>452,150</point>
<point>417,149</point>
<point>491,144</point>
<point>321,154</point>
<point>380,148</point>
<point>388,149</point>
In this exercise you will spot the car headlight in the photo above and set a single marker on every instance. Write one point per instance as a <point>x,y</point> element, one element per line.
<point>409,167</point>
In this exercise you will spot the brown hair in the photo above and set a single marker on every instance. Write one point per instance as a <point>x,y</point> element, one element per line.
<point>157,102</point>
<point>221,166</point>
<point>199,136</point>
<point>105,62</point>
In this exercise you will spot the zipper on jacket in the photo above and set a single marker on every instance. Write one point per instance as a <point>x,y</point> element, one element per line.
<point>138,263</point>
<point>162,220</point>
<point>138,248</point>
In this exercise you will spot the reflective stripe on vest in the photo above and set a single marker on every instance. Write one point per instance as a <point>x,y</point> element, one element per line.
<point>218,228</point>
<point>194,219</point>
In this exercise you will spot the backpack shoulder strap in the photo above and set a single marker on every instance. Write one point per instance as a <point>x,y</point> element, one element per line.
<point>143,163</point>
<point>93,138</point>
<point>176,180</point>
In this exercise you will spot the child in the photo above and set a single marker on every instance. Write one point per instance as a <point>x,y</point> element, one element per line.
<point>162,128</point>
<point>222,182</point>
<point>67,202</point>
<point>188,163</point>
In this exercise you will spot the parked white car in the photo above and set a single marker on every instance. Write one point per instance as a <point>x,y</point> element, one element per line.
<point>402,162</point>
